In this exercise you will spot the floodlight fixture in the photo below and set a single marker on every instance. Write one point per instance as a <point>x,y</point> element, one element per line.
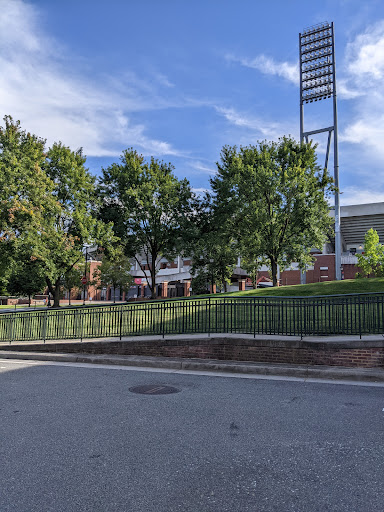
<point>318,82</point>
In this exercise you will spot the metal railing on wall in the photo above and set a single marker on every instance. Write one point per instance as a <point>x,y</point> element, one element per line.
<point>356,314</point>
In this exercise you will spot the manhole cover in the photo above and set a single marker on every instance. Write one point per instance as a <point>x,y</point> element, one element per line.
<point>153,389</point>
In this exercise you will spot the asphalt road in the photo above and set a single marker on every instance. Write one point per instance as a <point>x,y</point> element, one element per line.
<point>75,438</point>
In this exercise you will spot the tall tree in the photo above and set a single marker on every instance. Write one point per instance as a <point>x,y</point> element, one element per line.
<point>151,210</point>
<point>275,196</point>
<point>47,204</point>
<point>72,278</point>
<point>213,249</point>
<point>372,261</point>
<point>73,225</point>
<point>251,264</point>
<point>114,271</point>
<point>25,191</point>
<point>27,278</point>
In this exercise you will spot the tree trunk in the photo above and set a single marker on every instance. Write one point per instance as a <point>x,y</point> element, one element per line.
<point>225,286</point>
<point>153,280</point>
<point>29,300</point>
<point>114,294</point>
<point>274,271</point>
<point>69,296</point>
<point>56,296</point>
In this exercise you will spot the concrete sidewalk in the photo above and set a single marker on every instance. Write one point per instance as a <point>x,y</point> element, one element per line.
<point>283,370</point>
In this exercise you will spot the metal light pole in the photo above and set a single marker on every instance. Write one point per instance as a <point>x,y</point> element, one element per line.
<point>318,82</point>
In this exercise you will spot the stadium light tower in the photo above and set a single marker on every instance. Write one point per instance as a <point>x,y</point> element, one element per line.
<point>318,82</point>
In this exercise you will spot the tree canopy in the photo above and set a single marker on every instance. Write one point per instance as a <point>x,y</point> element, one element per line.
<point>372,261</point>
<point>114,271</point>
<point>151,210</point>
<point>47,204</point>
<point>275,198</point>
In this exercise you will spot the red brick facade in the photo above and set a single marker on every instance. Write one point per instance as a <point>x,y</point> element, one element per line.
<point>323,270</point>
<point>365,354</point>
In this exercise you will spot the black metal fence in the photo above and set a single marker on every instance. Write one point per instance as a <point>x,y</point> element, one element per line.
<point>294,316</point>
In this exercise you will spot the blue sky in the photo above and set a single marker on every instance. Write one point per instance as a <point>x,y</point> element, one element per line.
<point>178,80</point>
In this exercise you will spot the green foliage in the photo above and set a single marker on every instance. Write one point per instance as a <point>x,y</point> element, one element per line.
<point>200,283</point>
<point>114,271</point>
<point>25,192</point>
<point>24,187</point>
<point>251,264</point>
<point>47,204</point>
<point>72,278</point>
<point>372,261</point>
<point>27,278</point>
<point>64,234</point>
<point>213,249</point>
<point>152,211</point>
<point>274,196</point>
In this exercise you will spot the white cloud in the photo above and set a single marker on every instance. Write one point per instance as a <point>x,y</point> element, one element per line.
<point>366,53</point>
<point>364,75</point>
<point>287,70</point>
<point>54,101</point>
<point>202,168</point>
<point>260,127</point>
<point>355,195</point>
<point>347,92</point>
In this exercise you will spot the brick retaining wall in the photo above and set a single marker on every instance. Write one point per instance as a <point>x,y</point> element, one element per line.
<point>366,354</point>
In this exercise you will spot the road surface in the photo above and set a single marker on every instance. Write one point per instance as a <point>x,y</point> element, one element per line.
<point>75,438</point>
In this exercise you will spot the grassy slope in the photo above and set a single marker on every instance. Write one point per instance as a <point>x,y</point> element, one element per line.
<point>327,288</point>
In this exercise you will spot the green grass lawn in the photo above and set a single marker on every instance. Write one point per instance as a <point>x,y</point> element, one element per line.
<point>372,285</point>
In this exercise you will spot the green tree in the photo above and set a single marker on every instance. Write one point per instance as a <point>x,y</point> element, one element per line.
<point>372,261</point>
<point>114,271</point>
<point>47,204</point>
<point>275,198</point>
<point>72,278</point>
<point>27,278</point>
<point>73,225</point>
<point>251,264</point>
<point>213,249</point>
<point>151,210</point>
<point>25,191</point>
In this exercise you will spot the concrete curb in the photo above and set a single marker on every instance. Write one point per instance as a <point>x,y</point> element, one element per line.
<point>209,365</point>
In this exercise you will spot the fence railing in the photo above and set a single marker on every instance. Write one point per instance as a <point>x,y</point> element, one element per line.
<point>294,316</point>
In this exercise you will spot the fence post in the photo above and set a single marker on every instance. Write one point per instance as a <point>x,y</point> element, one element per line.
<point>82,323</point>
<point>359,318</point>
<point>121,320</point>
<point>209,316</point>
<point>45,325</point>
<point>254,317</point>
<point>11,334</point>
<point>224,316</point>
<point>162,322</point>
<point>301,318</point>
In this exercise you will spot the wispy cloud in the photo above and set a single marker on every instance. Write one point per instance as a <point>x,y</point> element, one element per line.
<point>202,168</point>
<point>269,66</point>
<point>257,125</point>
<point>56,101</point>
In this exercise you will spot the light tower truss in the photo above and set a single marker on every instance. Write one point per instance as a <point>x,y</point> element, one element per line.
<point>318,82</point>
